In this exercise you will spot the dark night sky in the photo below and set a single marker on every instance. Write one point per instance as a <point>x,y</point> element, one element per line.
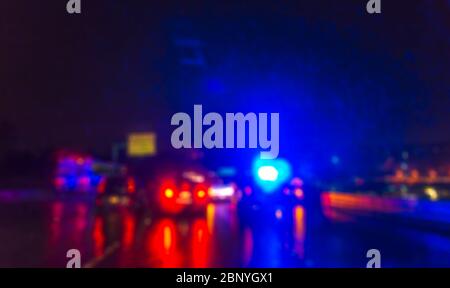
<point>86,80</point>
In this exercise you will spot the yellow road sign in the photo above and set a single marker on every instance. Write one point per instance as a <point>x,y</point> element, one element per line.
<point>141,144</point>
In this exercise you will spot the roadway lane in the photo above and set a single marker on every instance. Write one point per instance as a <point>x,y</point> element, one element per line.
<point>39,232</point>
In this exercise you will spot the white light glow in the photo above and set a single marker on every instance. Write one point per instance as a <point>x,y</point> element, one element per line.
<point>268,173</point>
<point>222,191</point>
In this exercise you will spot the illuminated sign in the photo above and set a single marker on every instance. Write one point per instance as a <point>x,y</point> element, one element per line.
<point>141,144</point>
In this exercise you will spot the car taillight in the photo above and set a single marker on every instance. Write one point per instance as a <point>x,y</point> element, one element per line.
<point>101,186</point>
<point>168,196</point>
<point>201,194</point>
<point>131,185</point>
<point>168,193</point>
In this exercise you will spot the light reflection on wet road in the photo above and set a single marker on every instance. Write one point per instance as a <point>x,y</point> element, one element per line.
<point>39,233</point>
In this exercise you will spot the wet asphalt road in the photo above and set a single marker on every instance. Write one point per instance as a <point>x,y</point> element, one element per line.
<point>38,232</point>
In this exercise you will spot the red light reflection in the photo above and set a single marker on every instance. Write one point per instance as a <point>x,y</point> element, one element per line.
<point>129,227</point>
<point>98,237</point>
<point>200,243</point>
<point>162,245</point>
